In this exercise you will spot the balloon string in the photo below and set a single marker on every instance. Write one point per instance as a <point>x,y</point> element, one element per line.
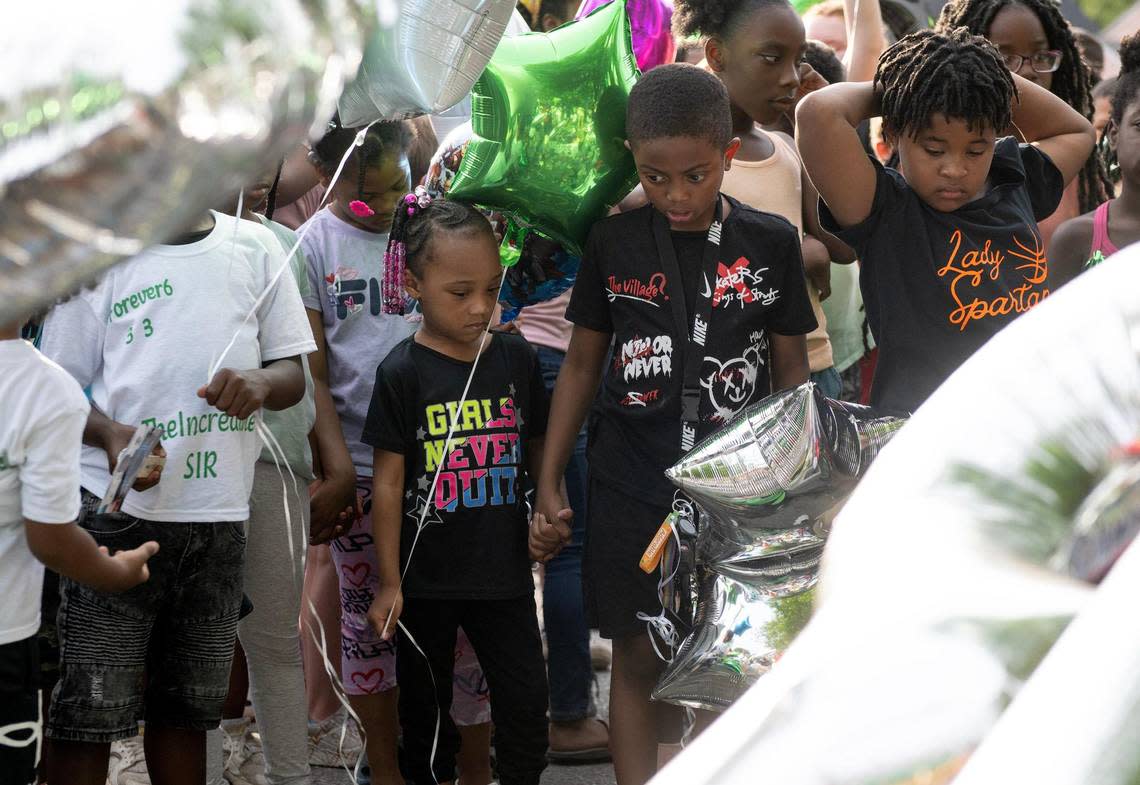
<point>660,623</point>
<point>338,689</point>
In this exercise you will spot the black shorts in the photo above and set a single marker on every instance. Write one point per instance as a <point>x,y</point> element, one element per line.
<point>620,527</point>
<point>21,734</point>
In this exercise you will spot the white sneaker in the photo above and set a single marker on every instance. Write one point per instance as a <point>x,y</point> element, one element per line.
<point>127,765</point>
<point>328,748</point>
<point>245,762</point>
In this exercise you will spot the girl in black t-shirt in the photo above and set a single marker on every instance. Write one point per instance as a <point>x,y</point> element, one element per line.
<point>456,416</point>
<point>949,243</point>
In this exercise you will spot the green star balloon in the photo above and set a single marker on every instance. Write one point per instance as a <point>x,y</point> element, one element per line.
<point>548,121</point>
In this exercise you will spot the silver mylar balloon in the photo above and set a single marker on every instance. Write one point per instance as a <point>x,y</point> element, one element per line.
<point>746,616</point>
<point>1104,525</point>
<point>785,460</point>
<point>424,59</point>
<point>120,122</point>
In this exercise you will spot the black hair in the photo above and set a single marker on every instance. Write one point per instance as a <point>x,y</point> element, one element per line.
<point>1128,82</point>
<point>955,74</point>
<point>678,99</point>
<point>559,8</point>
<point>715,18</point>
<point>823,60</point>
<point>271,199</point>
<point>416,231</point>
<point>1106,88</point>
<point>1071,82</point>
<point>381,138</point>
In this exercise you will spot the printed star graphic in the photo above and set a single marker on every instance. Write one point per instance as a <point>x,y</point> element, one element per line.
<point>519,418</point>
<point>424,483</point>
<point>420,434</point>
<point>408,495</point>
<point>512,389</point>
<point>417,512</point>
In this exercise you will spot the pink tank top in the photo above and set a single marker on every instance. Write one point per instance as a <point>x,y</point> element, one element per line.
<point>1101,247</point>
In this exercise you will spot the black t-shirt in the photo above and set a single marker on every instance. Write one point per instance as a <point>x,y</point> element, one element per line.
<point>474,545</point>
<point>621,289</point>
<point>938,285</point>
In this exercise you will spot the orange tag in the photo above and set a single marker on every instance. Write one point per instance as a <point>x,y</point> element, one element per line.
<point>652,556</point>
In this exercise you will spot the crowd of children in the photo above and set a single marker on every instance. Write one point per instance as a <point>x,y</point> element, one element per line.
<point>329,558</point>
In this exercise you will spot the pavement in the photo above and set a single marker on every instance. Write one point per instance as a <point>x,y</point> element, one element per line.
<point>599,774</point>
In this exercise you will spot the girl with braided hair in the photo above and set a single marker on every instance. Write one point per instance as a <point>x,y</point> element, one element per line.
<point>1037,44</point>
<point>1091,238</point>
<point>949,243</point>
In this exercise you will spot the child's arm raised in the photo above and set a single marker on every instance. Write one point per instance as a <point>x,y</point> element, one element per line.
<point>832,153</point>
<point>573,394</point>
<point>1053,126</point>
<point>387,503</point>
<point>865,39</point>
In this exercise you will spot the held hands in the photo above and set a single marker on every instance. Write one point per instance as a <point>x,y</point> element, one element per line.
<point>550,527</point>
<point>386,609</point>
<point>333,507</point>
<point>237,393</point>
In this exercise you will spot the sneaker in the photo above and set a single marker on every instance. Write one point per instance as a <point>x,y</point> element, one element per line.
<point>328,748</point>
<point>601,652</point>
<point>245,762</point>
<point>127,765</point>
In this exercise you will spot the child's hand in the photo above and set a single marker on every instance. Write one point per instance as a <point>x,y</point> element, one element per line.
<point>237,393</point>
<point>386,609</point>
<point>117,439</point>
<point>547,536</point>
<point>333,507</point>
<point>130,567</point>
<point>810,80</point>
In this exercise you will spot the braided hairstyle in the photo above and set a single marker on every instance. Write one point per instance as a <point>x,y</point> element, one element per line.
<point>380,139</point>
<point>1128,82</point>
<point>1071,82</point>
<point>416,221</point>
<point>714,18</point>
<point>955,74</point>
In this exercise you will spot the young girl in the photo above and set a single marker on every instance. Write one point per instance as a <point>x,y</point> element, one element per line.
<point>949,243</point>
<point>1088,240</point>
<point>1037,44</point>
<point>469,563</point>
<point>757,49</point>
<point>345,246</point>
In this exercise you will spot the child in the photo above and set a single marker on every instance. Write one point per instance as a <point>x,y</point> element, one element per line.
<point>469,565</point>
<point>344,244</point>
<point>1037,44</point>
<point>145,340</point>
<point>1089,239</point>
<point>688,319</point>
<point>949,244</point>
<point>757,48</point>
<point>42,416</point>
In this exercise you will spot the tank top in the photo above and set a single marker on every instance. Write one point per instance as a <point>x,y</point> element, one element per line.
<point>1101,247</point>
<point>774,185</point>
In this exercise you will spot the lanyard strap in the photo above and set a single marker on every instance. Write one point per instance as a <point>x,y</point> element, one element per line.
<point>692,349</point>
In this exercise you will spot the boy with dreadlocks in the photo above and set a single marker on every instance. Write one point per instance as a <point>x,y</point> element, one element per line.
<point>949,243</point>
<point>1036,43</point>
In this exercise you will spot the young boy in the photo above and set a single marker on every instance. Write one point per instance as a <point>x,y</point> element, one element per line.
<point>694,290</point>
<point>949,243</point>
<point>146,340</point>
<point>42,414</point>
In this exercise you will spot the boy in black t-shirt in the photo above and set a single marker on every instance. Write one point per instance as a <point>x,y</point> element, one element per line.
<point>704,302</point>
<point>949,243</point>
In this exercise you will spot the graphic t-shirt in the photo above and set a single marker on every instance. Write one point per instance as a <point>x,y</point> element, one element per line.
<point>621,289</point>
<point>937,285</point>
<point>474,544</point>
<point>344,285</point>
<point>144,340</point>
<point>42,416</point>
<point>290,427</point>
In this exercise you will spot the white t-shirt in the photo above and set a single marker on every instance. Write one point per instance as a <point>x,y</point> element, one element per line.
<point>42,415</point>
<point>145,339</point>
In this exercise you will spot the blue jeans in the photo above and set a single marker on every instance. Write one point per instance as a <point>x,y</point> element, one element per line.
<point>567,636</point>
<point>829,382</point>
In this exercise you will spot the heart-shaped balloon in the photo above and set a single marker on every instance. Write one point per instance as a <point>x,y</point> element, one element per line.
<point>121,122</point>
<point>424,59</point>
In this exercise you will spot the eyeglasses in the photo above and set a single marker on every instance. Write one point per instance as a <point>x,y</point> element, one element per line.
<point>1045,62</point>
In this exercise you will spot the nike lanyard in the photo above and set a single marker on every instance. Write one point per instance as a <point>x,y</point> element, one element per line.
<point>692,353</point>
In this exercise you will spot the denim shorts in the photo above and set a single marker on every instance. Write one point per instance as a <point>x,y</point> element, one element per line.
<point>160,651</point>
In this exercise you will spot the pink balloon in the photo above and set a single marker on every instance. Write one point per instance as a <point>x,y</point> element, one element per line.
<point>650,22</point>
